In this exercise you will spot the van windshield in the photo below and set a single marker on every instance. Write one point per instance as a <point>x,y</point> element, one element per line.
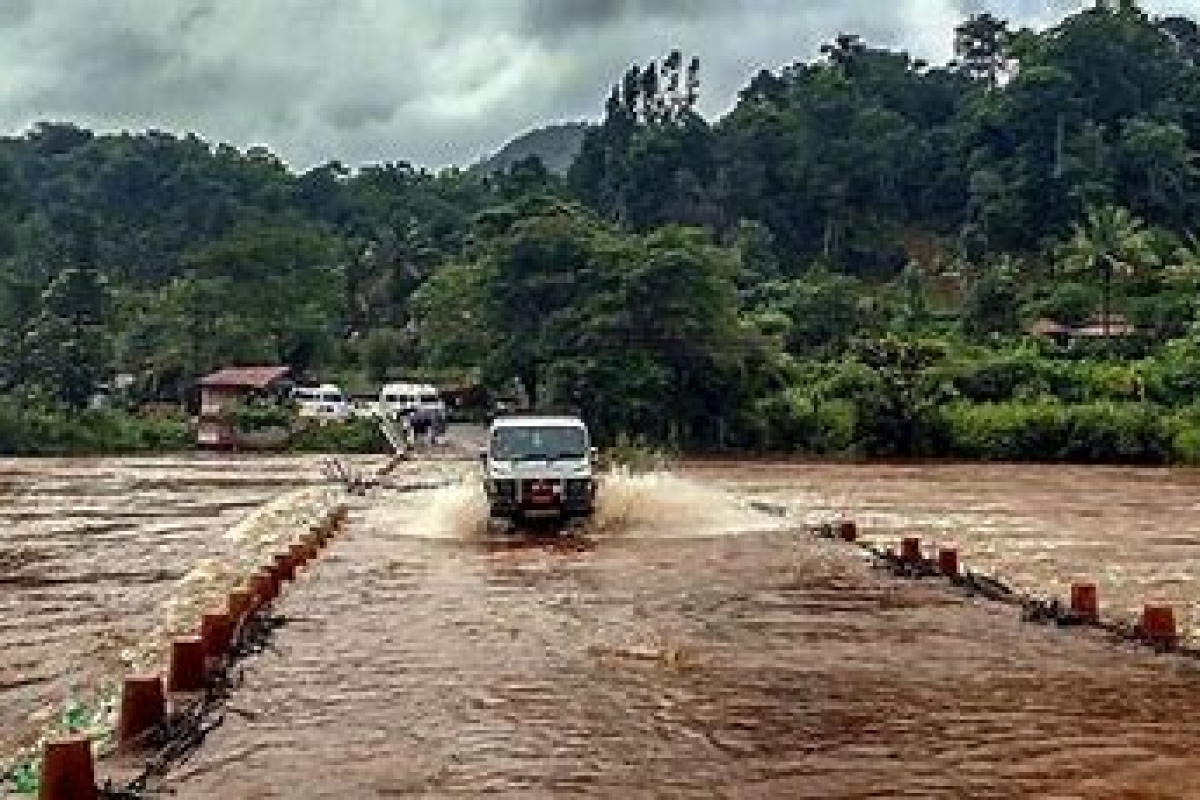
<point>538,443</point>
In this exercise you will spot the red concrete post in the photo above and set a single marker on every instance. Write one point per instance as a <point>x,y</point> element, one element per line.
<point>948,561</point>
<point>264,586</point>
<point>143,707</point>
<point>216,631</point>
<point>240,603</point>
<point>847,530</point>
<point>68,771</point>
<point>1158,625</point>
<point>1085,601</point>
<point>300,554</point>
<point>285,568</point>
<point>910,549</point>
<point>187,670</point>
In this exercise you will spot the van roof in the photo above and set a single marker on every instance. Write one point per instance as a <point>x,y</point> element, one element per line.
<point>408,388</point>
<point>543,422</point>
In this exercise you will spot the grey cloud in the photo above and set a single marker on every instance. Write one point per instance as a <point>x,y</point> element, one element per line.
<point>549,17</point>
<point>351,114</point>
<point>429,81</point>
<point>15,12</point>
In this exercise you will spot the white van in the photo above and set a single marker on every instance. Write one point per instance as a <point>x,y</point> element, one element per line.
<point>539,468</point>
<point>405,399</point>
<point>322,402</point>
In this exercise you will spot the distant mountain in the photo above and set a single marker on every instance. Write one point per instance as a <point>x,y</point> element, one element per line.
<point>555,145</point>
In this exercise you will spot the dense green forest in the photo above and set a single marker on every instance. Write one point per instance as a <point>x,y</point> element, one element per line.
<point>848,263</point>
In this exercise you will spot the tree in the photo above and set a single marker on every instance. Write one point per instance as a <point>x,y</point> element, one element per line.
<point>1156,168</point>
<point>1110,243</point>
<point>450,315</point>
<point>979,48</point>
<point>992,304</point>
<point>641,333</point>
<point>822,311</point>
<point>652,161</point>
<point>843,52</point>
<point>19,302</point>
<point>1184,34</point>
<point>895,410</point>
<point>70,336</point>
<point>916,304</point>
<point>286,289</point>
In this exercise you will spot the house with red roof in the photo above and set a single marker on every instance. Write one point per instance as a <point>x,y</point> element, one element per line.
<point>224,391</point>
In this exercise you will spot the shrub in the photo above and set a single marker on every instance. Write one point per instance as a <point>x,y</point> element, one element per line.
<point>252,418</point>
<point>1051,431</point>
<point>31,430</point>
<point>635,454</point>
<point>796,422</point>
<point>354,436</point>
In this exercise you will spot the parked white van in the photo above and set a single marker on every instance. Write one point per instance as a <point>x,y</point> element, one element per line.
<point>322,402</point>
<point>404,399</point>
<point>419,405</point>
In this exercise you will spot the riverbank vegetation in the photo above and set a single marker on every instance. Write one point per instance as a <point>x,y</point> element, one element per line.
<point>869,255</point>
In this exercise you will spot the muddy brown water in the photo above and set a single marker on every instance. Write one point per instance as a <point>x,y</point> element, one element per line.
<point>90,549</point>
<point>1133,532</point>
<point>686,648</point>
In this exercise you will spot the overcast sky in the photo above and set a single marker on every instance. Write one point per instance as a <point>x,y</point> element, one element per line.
<point>429,81</point>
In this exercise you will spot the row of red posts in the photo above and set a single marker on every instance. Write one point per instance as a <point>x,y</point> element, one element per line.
<point>1157,626</point>
<point>68,769</point>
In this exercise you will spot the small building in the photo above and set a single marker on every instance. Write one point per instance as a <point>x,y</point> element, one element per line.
<point>222,392</point>
<point>1114,326</point>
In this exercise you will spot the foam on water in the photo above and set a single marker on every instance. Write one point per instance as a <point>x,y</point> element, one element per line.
<point>459,511</point>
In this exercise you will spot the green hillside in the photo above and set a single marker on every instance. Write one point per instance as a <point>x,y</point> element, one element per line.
<point>556,146</point>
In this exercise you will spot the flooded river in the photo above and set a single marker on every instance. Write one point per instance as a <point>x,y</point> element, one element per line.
<point>1134,532</point>
<point>91,550</point>
<point>688,647</point>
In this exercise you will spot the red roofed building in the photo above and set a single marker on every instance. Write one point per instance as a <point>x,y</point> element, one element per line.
<point>223,391</point>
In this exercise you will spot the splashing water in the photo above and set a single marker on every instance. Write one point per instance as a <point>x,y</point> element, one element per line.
<point>655,504</point>
<point>664,505</point>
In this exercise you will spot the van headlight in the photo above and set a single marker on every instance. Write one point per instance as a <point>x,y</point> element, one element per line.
<point>500,469</point>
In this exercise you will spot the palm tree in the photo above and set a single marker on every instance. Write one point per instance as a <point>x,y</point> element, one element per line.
<point>1110,242</point>
<point>1183,271</point>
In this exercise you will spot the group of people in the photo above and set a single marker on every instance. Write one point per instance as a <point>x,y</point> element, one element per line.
<point>423,426</point>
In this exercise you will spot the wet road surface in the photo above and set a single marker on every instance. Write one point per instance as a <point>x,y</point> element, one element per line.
<point>755,665</point>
